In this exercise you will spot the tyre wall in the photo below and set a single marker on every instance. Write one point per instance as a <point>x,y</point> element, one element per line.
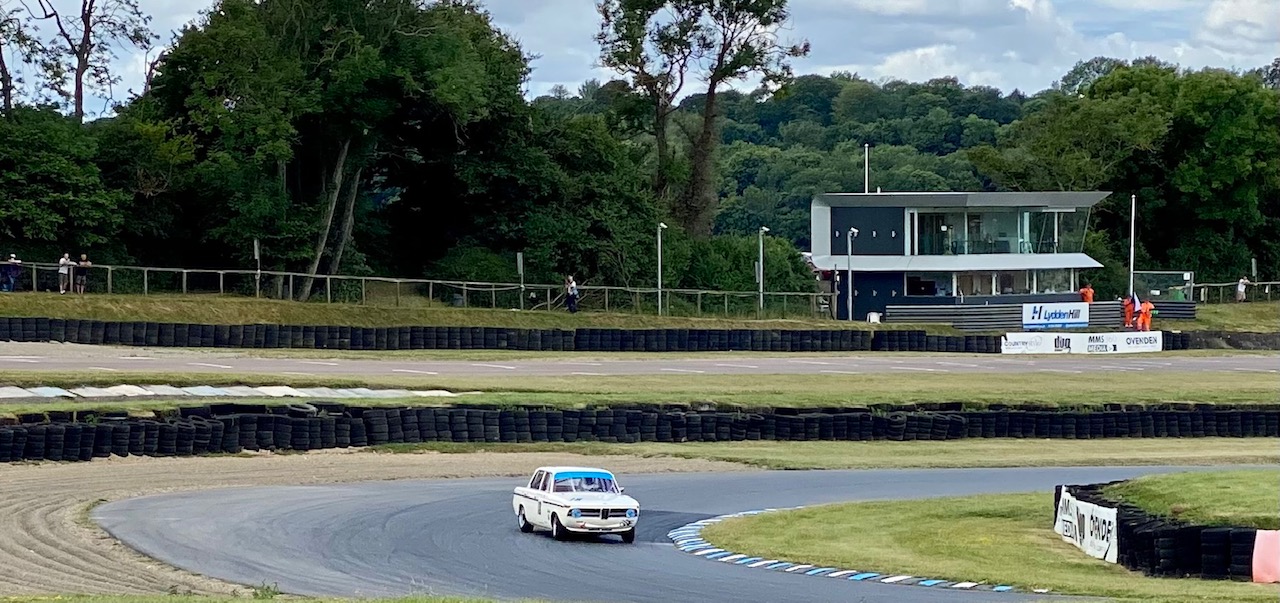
<point>232,428</point>
<point>185,335</point>
<point>1159,546</point>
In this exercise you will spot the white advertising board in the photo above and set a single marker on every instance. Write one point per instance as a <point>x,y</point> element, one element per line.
<point>1061,315</point>
<point>1082,343</point>
<point>1090,527</point>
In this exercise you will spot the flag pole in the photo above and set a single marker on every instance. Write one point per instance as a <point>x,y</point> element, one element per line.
<point>1133,221</point>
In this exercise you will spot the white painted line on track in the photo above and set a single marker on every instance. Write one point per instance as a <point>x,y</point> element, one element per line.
<point>840,372</point>
<point>741,366</point>
<point>21,357</point>
<point>1044,370</point>
<point>1253,370</point>
<point>103,368</point>
<point>221,366</point>
<point>588,374</point>
<point>918,368</point>
<point>317,363</point>
<point>671,370</point>
<point>413,372</point>
<point>134,358</point>
<point>24,360</point>
<point>809,362</point>
<point>581,363</point>
<point>497,366</point>
<point>960,364</point>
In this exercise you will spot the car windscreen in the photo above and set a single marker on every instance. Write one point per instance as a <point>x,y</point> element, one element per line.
<point>581,481</point>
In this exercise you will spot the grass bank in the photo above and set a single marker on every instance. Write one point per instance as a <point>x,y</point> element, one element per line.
<point>265,592</point>
<point>216,309</point>
<point>975,390</point>
<point>1246,498</point>
<point>954,454</point>
<point>1261,317</point>
<point>1006,539</point>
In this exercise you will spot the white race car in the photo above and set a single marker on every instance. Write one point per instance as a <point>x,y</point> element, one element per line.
<point>583,500</point>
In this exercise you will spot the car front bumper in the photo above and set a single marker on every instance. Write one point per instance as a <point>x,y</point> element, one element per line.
<point>599,526</point>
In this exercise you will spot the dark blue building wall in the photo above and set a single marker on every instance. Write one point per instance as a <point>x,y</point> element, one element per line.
<point>879,230</point>
<point>874,291</point>
<point>877,290</point>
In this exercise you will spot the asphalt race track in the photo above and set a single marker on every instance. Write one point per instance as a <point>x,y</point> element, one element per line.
<point>89,359</point>
<point>459,537</point>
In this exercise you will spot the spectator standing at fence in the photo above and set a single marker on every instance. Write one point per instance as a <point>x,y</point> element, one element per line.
<point>571,294</point>
<point>1086,293</point>
<point>82,273</point>
<point>64,273</point>
<point>11,270</point>
<point>1241,286</point>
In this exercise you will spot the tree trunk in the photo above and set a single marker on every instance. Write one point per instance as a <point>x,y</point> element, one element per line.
<point>332,191</point>
<point>348,222</point>
<point>700,198</point>
<point>6,82</point>
<point>661,177</point>
<point>82,55</point>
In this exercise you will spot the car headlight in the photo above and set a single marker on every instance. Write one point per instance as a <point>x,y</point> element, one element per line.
<point>631,513</point>
<point>575,513</point>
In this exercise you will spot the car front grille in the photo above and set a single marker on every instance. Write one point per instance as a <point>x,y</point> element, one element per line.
<point>603,513</point>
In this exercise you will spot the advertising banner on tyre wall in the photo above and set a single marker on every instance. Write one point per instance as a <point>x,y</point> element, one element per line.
<point>1061,315</point>
<point>1092,528</point>
<point>1082,343</point>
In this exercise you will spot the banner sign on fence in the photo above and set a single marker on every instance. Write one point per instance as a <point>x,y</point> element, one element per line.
<point>1082,343</point>
<point>1061,315</point>
<point>1092,528</point>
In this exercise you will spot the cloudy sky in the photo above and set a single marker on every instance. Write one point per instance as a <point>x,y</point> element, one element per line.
<point>1024,44</point>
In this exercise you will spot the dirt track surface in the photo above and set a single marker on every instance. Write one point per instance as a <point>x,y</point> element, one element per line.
<point>48,545</point>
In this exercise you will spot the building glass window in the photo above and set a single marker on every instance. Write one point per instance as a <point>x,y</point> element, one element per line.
<point>974,283</point>
<point>1053,281</point>
<point>1017,282</point>
<point>929,284</point>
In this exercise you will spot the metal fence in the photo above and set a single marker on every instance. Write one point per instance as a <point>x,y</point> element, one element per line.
<point>421,293</point>
<point>1217,293</point>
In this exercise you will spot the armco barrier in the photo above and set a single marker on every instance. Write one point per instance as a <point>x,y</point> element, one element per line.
<point>322,337</point>
<point>232,428</point>
<point>1160,546</point>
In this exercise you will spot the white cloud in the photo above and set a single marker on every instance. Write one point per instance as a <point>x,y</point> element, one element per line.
<point>1024,44</point>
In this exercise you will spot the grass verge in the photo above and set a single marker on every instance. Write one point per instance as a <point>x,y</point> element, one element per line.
<point>966,453</point>
<point>215,309</point>
<point>1247,498</point>
<point>1261,317</point>
<point>1006,539</point>
<point>744,391</point>
<point>262,592</point>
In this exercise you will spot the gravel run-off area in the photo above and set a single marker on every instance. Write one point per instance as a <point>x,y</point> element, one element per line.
<point>48,545</point>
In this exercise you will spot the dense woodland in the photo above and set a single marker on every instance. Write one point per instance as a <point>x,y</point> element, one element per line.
<point>394,137</point>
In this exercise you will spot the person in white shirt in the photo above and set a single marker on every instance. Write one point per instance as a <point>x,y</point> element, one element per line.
<point>571,294</point>
<point>1240,288</point>
<point>64,273</point>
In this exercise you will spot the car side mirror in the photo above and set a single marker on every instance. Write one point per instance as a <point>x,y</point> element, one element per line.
<point>621,490</point>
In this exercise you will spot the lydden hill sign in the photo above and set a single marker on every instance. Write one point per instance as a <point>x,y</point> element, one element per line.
<point>1069,315</point>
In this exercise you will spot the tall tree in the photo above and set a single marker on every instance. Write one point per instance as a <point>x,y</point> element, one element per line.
<point>1085,73</point>
<point>83,46</point>
<point>735,39</point>
<point>16,43</point>
<point>652,42</point>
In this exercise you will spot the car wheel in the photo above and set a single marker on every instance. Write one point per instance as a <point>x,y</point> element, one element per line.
<point>525,526</point>
<point>628,536</point>
<point>557,531</point>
